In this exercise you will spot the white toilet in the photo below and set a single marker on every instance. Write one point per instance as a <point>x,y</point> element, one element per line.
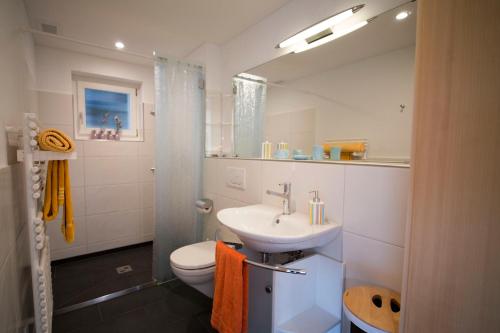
<point>195,265</point>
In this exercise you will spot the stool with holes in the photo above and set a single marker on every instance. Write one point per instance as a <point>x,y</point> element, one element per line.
<point>373,309</point>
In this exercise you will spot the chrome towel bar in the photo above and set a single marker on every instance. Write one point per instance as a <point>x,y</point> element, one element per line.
<point>280,269</point>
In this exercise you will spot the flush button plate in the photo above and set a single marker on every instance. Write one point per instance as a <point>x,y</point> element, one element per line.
<point>236,177</point>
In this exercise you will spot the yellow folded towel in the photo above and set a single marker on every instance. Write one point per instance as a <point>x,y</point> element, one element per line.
<point>58,193</point>
<point>346,156</point>
<point>55,140</point>
<point>346,147</point>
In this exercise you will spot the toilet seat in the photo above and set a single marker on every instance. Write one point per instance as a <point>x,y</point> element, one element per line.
<point>201,272</point>
<point>198,256</point>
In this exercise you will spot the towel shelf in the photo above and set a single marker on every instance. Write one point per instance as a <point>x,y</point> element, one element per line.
<point>43,155</point>
<point>280,269</point>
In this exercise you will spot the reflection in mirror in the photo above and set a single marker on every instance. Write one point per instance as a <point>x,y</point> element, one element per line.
<point>351,98</point>
<point>250,105</point>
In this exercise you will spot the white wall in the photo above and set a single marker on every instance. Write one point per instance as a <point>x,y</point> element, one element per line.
<point>17,73</point>
<point>369,201</point>
<point>17,78</point>
<point>210,56</point>
<point>112,186</point>
<point>362,100</point>
<point>54,66</point>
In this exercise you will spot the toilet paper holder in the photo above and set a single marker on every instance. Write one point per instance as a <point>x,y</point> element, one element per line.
<point>204,206</point>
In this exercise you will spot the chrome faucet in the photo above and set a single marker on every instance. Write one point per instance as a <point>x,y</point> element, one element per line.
<point>287,190</point>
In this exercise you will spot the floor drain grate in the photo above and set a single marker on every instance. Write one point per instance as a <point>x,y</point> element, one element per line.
<point>124,269</point>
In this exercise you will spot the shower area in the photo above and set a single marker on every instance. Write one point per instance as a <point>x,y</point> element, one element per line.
<point>133,196</point>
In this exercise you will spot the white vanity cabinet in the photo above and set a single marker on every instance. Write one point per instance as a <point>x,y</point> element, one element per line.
<point>310,303</point>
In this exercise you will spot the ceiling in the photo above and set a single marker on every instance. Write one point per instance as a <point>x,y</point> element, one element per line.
<point>172,27</point>
<point>382,35</point>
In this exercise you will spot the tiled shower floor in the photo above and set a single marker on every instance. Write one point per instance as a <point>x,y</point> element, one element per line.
<point>171,308</point>
<point>76,281</point>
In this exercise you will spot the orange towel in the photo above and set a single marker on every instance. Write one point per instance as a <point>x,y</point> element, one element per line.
<point>230,306</point>
<point>347,147</point>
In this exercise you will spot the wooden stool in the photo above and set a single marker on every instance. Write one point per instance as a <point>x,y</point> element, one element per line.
<point>373,309</point>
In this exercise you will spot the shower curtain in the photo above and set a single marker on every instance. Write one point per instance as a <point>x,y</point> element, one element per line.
<point>250,103</point>
<point>180,132</point>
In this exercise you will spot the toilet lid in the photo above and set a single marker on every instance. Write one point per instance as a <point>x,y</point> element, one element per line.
<point>194,256</point>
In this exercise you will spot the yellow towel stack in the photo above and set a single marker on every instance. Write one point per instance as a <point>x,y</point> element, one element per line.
<point>347,148</point>
<point>58,187</point>
<point>58,193</point>
<point>55,140</point>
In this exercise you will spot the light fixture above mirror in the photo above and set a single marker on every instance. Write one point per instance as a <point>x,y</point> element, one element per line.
<point>323,31</point>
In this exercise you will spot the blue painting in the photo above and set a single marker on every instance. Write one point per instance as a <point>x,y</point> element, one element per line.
<point>102,108</point>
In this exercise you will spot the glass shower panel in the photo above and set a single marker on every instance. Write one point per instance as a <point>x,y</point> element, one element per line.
<point>180,142</point>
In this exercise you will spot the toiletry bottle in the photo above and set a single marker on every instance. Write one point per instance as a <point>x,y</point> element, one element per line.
<point>316,209</point>
<point>266,150</point>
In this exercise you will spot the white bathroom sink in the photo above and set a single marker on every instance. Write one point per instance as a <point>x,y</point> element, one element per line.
<point>258,228</point>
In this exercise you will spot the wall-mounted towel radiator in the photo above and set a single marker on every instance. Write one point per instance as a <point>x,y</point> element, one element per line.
<point>34,173</point>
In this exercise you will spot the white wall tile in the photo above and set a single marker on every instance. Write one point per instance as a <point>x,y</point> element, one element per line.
<point>147,147</point>
<point>109,227</point>
<point>147,195</point>
<point>273,174</point>
<point>9,307</point>
<point>111,170</point>
<point>22,262</point>
<point>213,106</point>
<point>15,282</point>
<point>370,261</point>
<point>149,119</point>
<point>57,241</point>
<point>99,176</point>
<point>78,197</point>
<point>112,244</point>
<point>252,193</point>
<point>145,165</point>
<point>328,179</point>
<point>109,148</point>
<point>330,183</point>
<point>68,252</point>
<point>148,222</point>
<point>111,198</point>
<point>55,108</point>
<point>8,234</point>
<point>209,175</point>
<point>303,181</point>
<point>77,172</point>
<point>376,202</point>
<point>210,223</point>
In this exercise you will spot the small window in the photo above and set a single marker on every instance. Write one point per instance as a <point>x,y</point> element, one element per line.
<point>107,109</point>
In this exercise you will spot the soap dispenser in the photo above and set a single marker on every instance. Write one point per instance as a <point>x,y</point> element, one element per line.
<point>316,209</point>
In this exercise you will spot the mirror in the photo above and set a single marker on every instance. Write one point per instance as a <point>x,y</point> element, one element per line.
<point>355,91</point>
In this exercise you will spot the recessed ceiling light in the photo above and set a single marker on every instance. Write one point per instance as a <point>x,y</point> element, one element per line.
<point>119,45</point>
<point>402,15</point>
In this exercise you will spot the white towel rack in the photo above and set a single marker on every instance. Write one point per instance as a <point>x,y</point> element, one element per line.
<point>34,173</point>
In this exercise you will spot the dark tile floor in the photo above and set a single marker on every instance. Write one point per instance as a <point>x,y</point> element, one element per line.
<point>83,279</point>
<point>172,307</point>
